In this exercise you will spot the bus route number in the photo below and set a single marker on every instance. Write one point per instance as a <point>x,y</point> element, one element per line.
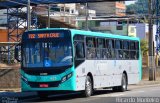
<point>31,36</point>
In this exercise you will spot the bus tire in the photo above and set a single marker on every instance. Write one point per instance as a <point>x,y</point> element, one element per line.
<point>115,89</point>
<point>124,84</point>
<point>42,95</point>
<point>88,87</point>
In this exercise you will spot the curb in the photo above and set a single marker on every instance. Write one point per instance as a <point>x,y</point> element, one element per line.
<point>142,86</point>
<point>10,90</point>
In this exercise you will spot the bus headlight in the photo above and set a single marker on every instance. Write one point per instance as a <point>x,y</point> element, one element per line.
<point>66,77</point>
<point>24,79</point>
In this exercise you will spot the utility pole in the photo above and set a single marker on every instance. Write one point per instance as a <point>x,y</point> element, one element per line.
<point>86,11</point>
<point>49,16</point>
<point>152,67</point>
<point>28,16</point>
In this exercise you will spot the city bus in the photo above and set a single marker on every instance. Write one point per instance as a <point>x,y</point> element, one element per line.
<point>70,60</point>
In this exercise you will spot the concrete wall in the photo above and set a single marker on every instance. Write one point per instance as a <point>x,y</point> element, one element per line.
<point>3,34</point>
<point>145,75</point>
<point>9,78</point>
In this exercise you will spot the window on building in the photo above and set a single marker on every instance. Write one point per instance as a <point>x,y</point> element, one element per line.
<point>119,27</point>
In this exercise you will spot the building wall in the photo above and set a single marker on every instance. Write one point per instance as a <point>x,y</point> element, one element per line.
<point>140,30</point>
<point>3,35</point>
<point>103,8</point>
<point>108,8</point>
<point>120,8</point>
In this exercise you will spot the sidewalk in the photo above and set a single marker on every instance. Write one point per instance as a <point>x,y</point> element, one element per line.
<point>145,83</point>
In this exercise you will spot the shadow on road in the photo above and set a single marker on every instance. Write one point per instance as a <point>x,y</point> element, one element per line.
<point>67,97</point>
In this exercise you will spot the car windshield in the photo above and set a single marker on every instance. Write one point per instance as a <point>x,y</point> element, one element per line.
<point>48,53</point>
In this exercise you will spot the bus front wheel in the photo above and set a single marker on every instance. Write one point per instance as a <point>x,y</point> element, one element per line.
<point>88,87</point>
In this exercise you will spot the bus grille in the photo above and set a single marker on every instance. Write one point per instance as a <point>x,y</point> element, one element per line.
<point>50,84</point>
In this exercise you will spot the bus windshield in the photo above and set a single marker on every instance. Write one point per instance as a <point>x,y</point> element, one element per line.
<point>49,53</point>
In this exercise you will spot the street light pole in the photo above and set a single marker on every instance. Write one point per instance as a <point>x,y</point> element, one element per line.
<point>28,16</point>
<point>151,45</point>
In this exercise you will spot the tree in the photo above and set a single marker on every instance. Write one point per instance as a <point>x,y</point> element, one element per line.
<point>144,47</point>
<point>140,7</point>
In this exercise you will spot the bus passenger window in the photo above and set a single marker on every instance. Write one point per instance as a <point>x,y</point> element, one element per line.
<point>137,45</point>
<point>79,49</point>
<point>91,53</point>
<point>91,47</point>
<point>110,52</point>
<point>89,42</point>
<point>117,44</point>
<point>126,45</point>
<point>120,54</point>
<point>132,46</point>
<point>104,54</point>
<point>100,43</point>
<point>137,54</point>
<point>133,54</point>
<point>109,43</point>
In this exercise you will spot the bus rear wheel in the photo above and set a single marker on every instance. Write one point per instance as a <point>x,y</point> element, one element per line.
<point>88,87</point>
<point>124,84</point>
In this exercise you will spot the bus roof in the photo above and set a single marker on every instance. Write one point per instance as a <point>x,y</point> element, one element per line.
<point>90,33</point>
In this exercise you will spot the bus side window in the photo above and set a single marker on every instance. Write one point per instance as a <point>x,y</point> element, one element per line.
<point>91,47</point>
<point>137,48</point>
<point>133,50</point>
<point>110,48</point>
<point>79,50</point>
<point>89,42</point>
<point>100,48</point>
<point>126,49</point>
<point>119,51</point>
<point>100,43</point>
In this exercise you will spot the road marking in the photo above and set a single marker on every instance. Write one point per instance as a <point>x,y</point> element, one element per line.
<point>140,91</point>
<point>116,95</point>
<point>109,95</point>
<point>91,98</point>
<point>155,89</point>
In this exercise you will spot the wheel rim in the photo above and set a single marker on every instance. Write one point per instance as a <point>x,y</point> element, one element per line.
<point>88,87</point>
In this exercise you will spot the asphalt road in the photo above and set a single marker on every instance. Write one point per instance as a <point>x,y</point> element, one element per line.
<point>139,95</point>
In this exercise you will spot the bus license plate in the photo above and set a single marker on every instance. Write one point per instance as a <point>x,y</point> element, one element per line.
<point>43,85</point>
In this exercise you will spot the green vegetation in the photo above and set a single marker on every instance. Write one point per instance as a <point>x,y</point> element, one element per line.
<point>144,47</point>
<point>140,7</point>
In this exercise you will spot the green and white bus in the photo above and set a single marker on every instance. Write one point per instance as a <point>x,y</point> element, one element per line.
<point>75,60</point>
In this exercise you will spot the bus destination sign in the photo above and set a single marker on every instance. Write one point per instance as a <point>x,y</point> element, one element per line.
<point>45,35</point>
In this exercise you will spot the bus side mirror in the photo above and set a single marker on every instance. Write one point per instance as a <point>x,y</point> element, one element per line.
<point>17,52</point>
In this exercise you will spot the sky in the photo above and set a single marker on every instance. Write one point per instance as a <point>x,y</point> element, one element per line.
<point>129,2</point>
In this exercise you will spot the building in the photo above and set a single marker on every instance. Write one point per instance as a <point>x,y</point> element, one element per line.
<point>114,26</point>
<point>109,8</point>
<point>65,12</point>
